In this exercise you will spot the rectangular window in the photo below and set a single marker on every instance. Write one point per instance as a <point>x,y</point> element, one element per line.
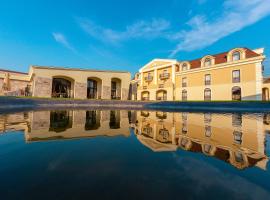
<point>207,79</point>
<point>236,76</point>
<point>184,82</point>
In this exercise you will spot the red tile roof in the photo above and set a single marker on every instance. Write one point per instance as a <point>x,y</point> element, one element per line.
<point>220,58</point>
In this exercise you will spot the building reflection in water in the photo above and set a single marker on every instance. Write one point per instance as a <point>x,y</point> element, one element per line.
<point>237,139</point>
<point>60,121</point>
<point>71,124</point>
<point>92,120</point>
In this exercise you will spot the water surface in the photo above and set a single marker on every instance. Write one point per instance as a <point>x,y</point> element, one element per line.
<point>103,154</point>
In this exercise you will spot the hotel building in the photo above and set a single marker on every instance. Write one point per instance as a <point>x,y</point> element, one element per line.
<point>241,141</point>
<point>233,75</point>
<point>65,83</point>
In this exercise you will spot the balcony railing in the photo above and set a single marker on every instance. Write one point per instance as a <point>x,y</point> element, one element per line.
<point>144,87</point>
<point>148,78</point>
<point>164,76</point>
<point>184,84</point>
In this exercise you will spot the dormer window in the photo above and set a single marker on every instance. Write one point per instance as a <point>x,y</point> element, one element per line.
<point>184,67</point>
<point>207,62</point>
<point>236,56</point>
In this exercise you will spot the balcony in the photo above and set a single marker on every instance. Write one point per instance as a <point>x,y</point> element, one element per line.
<point>148,78</point>
<point>184,84</point>
<point>145,87</point>
<point>164,76</point>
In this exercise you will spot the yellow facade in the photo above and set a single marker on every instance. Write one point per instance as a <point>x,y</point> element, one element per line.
<point>240,140</point>
<point>230,77</point>
<point>66,83</point>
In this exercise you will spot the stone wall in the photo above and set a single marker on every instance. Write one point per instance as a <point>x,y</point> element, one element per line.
<point>16,85</point>
<point>1,85</point>
<point>40,120</point>
<point>106,92</point>
<point>80,90</point>
<point>42,87</point>
<point>125,93</point>
<point>79,117</point>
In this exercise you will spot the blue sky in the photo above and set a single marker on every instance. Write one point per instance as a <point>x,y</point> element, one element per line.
<point>125,35</point>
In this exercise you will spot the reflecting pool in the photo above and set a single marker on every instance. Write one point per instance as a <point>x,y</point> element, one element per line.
<point>115,154</point>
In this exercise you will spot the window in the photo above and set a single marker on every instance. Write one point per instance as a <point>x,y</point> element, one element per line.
<point>207,79</point>
<point>207,148</point>
<point>237,136</point>
<point>184,95</point>
<point>236,76</point>
<point>207,62</point>
<point>237,120</point>
<point>207,94</point>
<point>184,128</point>
<point>208,131</point>
<point>177,68</point>
<point>184,82</point>
<point>184,67</point>
<point>207,118</point>
<point>236,93</point>
<point>236,56</point>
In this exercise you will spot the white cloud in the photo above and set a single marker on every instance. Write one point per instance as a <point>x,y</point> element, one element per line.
<point>61,39</point>
<point>236,15</point>
<point>142,29</point>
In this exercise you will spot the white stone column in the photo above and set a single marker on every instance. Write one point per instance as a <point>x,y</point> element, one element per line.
<point>155,77</point>
<point>173,73</point>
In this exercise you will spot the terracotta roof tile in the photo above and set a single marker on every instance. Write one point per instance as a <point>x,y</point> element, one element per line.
<point>220,58</point>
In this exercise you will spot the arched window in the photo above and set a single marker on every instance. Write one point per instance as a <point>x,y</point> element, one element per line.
<point>184,95</point>
<point>184,67</point>
<point>207,94</point>
<point>145,96</point>
<point>236,56</point>
<point>236,93</point>
<point>207,62</point>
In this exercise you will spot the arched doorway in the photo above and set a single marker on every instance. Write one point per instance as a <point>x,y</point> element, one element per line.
<point>161,95</point>
<point>265,94</point>
<point>145,96</point>
<point>62,87</point>
<point>94,86</point>
<point>236,93</point>
<point>116,88</point>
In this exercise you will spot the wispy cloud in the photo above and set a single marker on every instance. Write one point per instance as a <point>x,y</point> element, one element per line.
<point>61,39</point>
<point>142,29</point>
<point>236,15</point>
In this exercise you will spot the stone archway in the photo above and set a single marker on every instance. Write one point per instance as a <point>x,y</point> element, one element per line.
<point>161,95</point>
<point>62,87</point>
<point>236,93</point>
<point>145,96</point>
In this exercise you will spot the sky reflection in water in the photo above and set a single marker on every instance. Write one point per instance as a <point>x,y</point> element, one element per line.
<point>134,154</point>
